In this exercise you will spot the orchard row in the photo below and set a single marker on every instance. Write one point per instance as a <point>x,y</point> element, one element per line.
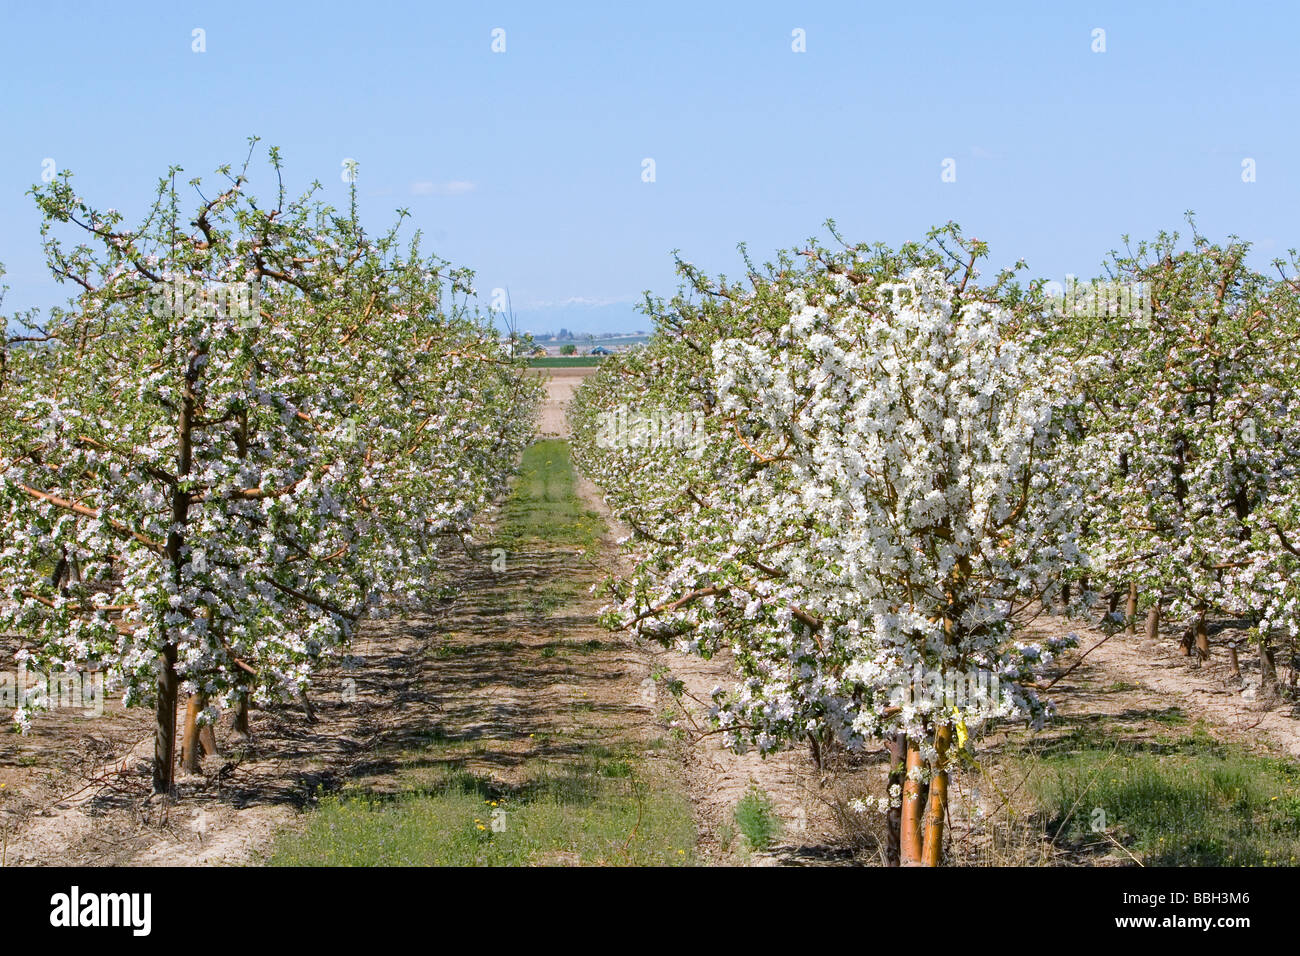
<point>205,492</point>
<point>897,461</point>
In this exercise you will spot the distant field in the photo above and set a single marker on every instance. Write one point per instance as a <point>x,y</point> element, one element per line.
<point>624,340</point>
<point>566,361</point>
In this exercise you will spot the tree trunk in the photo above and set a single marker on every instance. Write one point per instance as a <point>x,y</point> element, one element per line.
<point>164,744</point>
<point>1233,664</point>
<point>897,747</point>
<point>937,809</point>
<point>239,719</point>
<point>911,842</point>
<point>190,735</point>
<point>1132,610</point>
<point>1153,622</point>
<point>196,736</point>
<point>307,707</point>
<point>1202,638</point>
<point>60,569</point>
<point>1267,667</point>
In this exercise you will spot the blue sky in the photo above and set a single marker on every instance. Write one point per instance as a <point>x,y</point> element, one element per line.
<point>527,165</point>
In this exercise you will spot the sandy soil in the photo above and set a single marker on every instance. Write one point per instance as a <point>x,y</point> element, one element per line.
<point>560,386</point>
<point>78,790</point>
<point>1153,676</point>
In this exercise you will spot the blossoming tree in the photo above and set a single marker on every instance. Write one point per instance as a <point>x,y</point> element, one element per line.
<point>876,494</point>
<point>1192,440</point>
<point>255,427</point>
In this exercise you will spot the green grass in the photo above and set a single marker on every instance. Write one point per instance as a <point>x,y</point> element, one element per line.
<point>581,793</point>
<point>756,818</point>
<point>543,505</point>
<point>1189,801</point>
<point>594,813</point>
<point>566,361</point>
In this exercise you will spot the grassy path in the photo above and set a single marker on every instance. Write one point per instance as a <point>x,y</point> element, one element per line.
<point>544,750</point>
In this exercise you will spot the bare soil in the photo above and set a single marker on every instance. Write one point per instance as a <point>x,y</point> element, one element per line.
<point>1129,674</point>
<point>560,386</point>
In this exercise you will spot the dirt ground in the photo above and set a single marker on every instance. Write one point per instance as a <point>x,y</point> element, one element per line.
<point>502,670</point>
<point>1129,674</point>
<point>560,386</point>
<point>75,791</point>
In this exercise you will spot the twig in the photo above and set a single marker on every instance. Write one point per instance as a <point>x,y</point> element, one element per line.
<point>1084,793</point>
<point>1122,847</point>
<point>1067,671</point>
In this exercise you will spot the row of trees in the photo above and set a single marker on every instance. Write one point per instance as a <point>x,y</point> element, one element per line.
<point>896,462</point>
<point>1192,446</point>
<point>256,426</point>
